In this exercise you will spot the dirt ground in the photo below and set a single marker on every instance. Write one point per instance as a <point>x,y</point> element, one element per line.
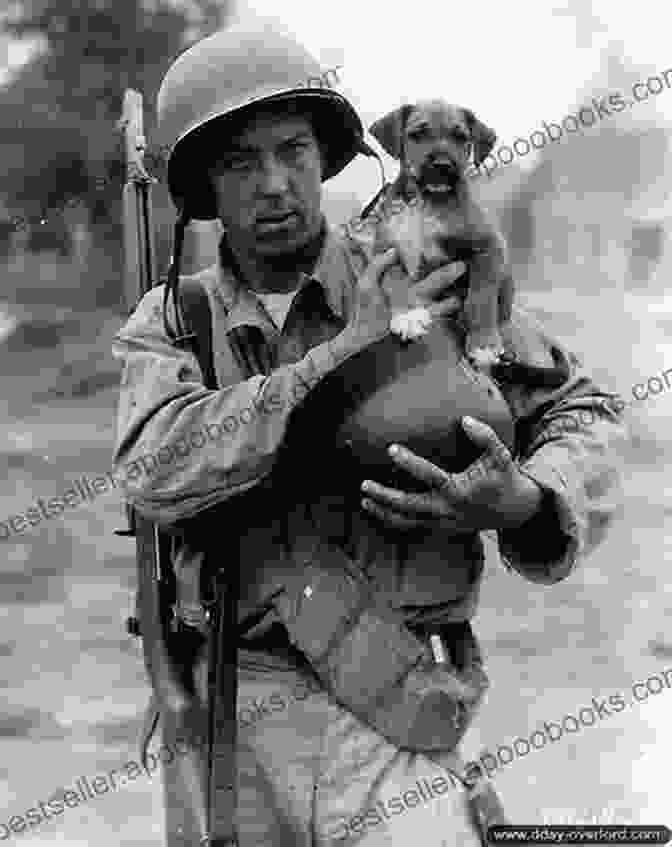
<point>74,686</point>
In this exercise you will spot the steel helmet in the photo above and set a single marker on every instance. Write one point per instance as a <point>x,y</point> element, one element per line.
<point>236,68</point>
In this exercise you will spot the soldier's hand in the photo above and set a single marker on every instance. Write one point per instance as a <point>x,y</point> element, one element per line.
<point>433,292</point>
<point>371,315</point>
<point>492,493</point>
<point>372,304</point>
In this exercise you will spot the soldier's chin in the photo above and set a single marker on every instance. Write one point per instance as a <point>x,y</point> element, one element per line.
<point>281,240</point>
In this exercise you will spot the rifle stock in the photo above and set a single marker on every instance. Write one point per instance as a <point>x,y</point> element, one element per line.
<point>170,671</point>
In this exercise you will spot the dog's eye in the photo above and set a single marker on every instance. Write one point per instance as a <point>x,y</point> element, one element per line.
<point>460,136</point>
<point>417,134</point>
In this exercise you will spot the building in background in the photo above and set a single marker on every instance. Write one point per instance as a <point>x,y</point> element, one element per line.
<point>589,198</point>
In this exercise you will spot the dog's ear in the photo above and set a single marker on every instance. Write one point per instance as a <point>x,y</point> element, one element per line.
<point>483,138</point>
<point>389,130</point>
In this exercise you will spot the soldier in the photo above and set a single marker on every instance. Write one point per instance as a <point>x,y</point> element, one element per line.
<point>340,748</point>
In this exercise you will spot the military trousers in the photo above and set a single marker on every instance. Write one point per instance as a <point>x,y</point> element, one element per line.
<point>311,774</point>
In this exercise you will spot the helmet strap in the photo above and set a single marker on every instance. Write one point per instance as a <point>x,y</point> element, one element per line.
<point>178,336</point>
<point>365,150</point>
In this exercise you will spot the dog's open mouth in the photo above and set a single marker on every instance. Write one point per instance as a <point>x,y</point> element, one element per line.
<point>439,178</point>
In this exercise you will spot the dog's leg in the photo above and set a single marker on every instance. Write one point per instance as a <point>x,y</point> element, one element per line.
<point>404,230</point>
<point>484,342</point>
<point>407,322</point>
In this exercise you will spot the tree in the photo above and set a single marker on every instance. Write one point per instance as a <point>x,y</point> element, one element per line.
<point>58,112</point>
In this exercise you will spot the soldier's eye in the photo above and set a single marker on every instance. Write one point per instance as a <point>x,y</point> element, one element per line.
<point>239,163</point>
<point>297,147</point>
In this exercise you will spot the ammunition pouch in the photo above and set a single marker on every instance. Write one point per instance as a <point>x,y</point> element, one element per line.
<point>372,663</point>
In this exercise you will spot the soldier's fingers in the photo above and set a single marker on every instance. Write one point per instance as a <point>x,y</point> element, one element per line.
<point>390,516</point>
<point>436,283</point>
<point>422,469</point>
<point>378,266</point>
<point>444,308</point>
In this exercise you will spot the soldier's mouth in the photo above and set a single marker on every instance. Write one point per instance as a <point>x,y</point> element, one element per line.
<point>277,222</point>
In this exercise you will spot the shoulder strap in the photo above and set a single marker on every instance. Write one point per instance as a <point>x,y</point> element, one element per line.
<point>222,665</point>
<point>196,308</point>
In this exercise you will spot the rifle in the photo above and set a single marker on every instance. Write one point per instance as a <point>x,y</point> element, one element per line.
<point>199,808</point>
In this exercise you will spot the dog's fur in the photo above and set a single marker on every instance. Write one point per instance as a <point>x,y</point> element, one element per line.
<point>430,215</point>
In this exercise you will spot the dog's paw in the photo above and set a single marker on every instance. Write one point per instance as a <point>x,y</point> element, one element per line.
<point>483,349</point>
<point>412,324</point>
<point>484,357</point>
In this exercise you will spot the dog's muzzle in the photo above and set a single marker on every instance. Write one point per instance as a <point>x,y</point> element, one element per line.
<point>438,176</point>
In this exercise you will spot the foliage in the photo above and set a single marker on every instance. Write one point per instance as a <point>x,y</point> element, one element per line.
<point>57,130</point>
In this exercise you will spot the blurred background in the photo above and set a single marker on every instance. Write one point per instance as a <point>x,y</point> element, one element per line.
<point>588,218</point>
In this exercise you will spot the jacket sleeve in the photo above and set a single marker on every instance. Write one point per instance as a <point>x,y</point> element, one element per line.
<point>568,442</point>
<point>180,447</point>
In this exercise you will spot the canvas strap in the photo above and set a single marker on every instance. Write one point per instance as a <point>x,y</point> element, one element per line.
<point>223,664</point>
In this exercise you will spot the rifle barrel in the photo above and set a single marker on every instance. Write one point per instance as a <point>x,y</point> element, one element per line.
<point>139,246</point>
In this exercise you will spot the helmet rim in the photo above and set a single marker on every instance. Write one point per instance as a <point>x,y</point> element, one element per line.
<point>322,105</point>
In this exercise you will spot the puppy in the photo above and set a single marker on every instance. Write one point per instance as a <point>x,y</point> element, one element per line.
<point>430,215</point>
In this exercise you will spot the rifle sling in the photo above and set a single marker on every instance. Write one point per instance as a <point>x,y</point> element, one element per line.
<point>222,671</point>
<point>195,306</point>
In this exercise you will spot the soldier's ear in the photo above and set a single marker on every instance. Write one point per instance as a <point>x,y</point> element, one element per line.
<point>483,138</point>
<point>389,130</point>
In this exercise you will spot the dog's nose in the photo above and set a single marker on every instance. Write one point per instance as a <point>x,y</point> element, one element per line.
<point>441,155</point>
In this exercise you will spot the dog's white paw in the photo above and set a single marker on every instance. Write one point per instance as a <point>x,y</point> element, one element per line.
<point>484,357</point>
<point>412,324</point>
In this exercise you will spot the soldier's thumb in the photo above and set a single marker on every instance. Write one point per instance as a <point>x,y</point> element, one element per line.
<point>381,263</point>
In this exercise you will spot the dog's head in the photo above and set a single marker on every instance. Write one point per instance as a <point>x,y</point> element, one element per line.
<point>434,142</point>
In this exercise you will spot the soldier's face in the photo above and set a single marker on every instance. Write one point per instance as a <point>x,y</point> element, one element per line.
<point>268,183</point>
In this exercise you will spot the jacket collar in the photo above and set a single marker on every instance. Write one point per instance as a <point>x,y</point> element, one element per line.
<point>332,273</point>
